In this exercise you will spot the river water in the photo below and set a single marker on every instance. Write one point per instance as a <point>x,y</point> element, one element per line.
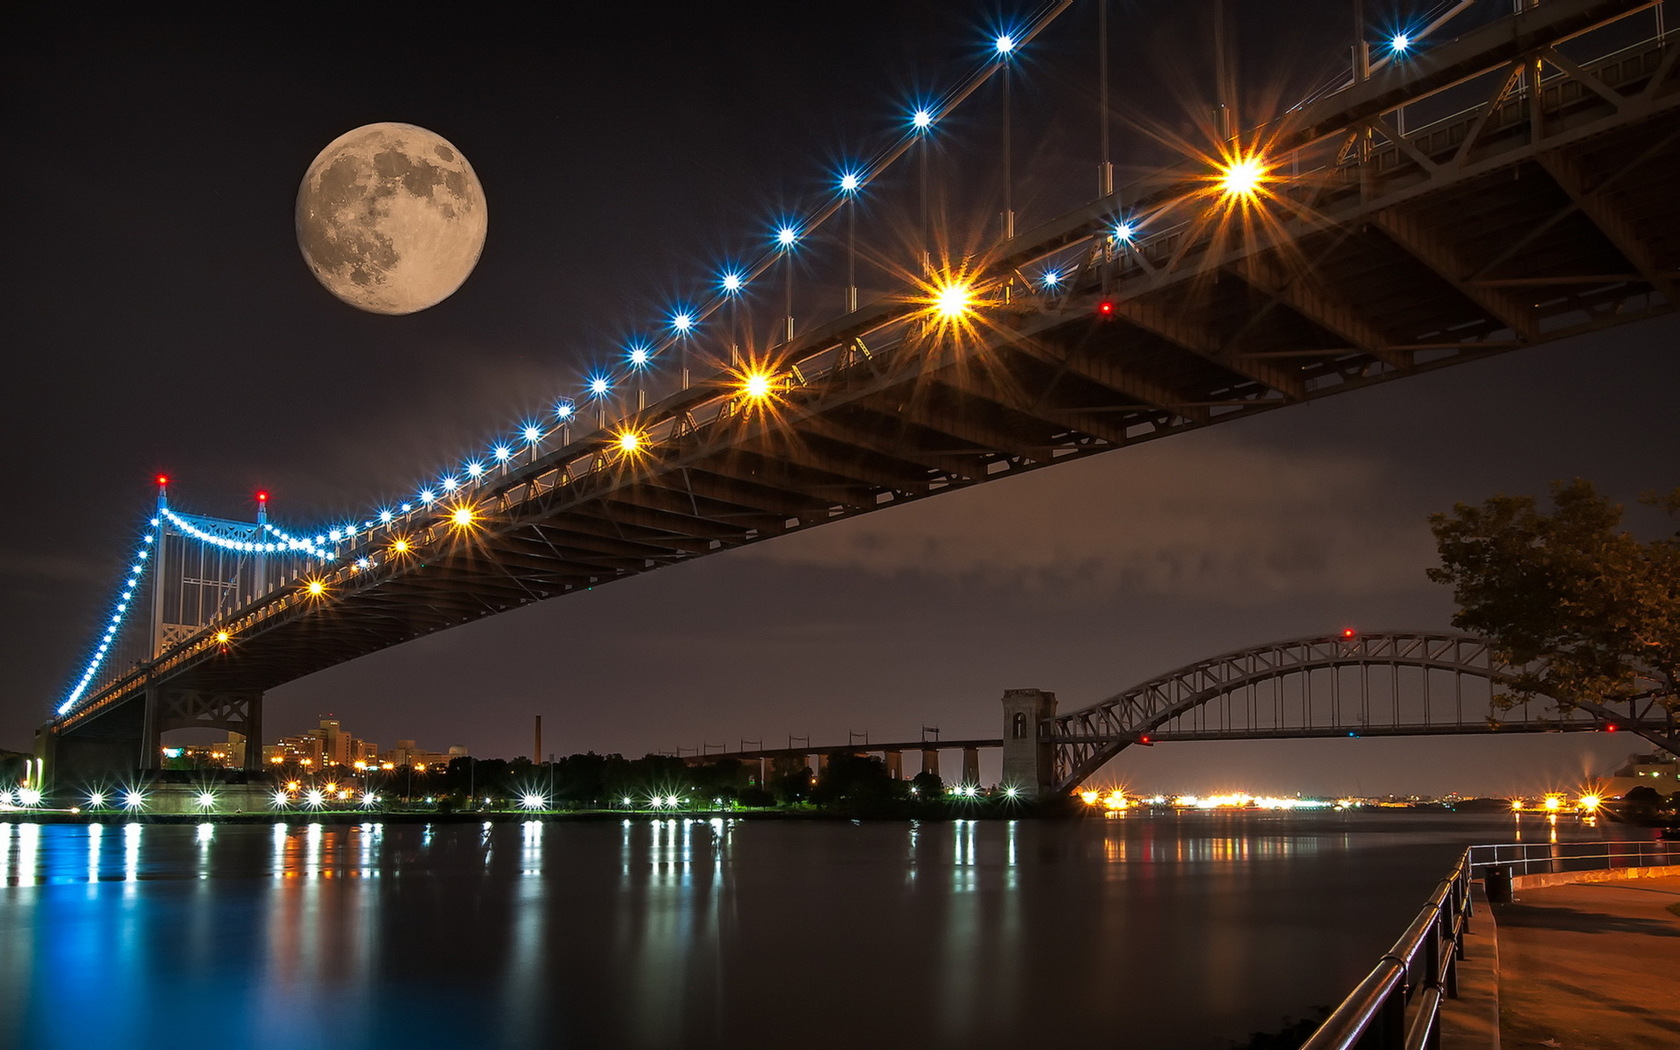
<point>1163,930</point>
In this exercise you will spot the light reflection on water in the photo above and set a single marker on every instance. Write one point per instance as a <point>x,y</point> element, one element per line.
<point>1183,931</point>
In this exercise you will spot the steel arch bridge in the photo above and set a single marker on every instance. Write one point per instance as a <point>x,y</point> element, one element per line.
<point>1503,189</point>
<point>1356,685</point>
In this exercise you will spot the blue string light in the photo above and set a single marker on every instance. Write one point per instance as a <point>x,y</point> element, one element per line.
<point>120,610</point>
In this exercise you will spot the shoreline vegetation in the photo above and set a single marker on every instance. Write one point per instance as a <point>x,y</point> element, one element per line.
<point>1048,809</point>
<point>590,786</point>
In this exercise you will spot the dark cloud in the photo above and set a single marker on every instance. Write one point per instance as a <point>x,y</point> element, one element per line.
<point>1212,519</point>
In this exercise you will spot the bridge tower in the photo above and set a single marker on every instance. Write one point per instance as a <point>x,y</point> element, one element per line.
<point>1028,754</point>
<point>200,571</point>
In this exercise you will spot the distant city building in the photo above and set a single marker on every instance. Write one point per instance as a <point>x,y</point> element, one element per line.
<point>406,754</point>
<point>1658,771</point>
<point>324,746</point>
<point>228,754</point>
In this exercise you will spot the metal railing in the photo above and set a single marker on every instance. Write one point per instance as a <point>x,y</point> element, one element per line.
<point>1423,964</point>
<point>1544,858</point>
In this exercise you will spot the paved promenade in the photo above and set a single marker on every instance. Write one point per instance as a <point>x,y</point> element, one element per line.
<point>1591,965</point>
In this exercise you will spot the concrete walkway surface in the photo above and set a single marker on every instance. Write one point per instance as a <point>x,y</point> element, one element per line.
<point>1590,966</point>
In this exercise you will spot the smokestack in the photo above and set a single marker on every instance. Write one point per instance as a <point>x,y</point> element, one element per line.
<point>536,756</point>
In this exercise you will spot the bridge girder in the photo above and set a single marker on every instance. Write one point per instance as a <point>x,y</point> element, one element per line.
<point>1388,222</point>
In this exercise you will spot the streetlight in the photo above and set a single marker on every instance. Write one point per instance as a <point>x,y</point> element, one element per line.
<point>850,184</point>
<point>639,355</point>
<point>1105,168</point>
<point>787,235</point>
<point>922,121</point>
<point>682,322</point>
<point>564,410</point>
<point>1005,48</point>
<point>732,282</point>
<point>599,388</point>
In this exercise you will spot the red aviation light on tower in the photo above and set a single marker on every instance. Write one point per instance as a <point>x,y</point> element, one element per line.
<point>1105,309</point>
<point>163,481</point>
<point>1349,634</point>
<point>262,496</point>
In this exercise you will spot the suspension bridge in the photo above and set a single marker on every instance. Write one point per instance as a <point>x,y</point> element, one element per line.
<point>1459,196</point>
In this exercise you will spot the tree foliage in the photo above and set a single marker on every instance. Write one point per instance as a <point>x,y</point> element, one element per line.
<point>1589,611</point>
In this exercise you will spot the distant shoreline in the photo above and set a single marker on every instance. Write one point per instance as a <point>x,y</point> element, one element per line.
<point>1052,810</point>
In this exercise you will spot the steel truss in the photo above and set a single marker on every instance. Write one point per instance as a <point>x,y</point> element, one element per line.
<point>1511,190</point>
<point>1402,684</point>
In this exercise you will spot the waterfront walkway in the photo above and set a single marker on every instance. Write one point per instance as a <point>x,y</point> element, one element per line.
<point>1590,965</point>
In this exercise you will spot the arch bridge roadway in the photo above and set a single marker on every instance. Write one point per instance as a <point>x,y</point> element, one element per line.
<point>1501,190</point>
<point>1410,683</point>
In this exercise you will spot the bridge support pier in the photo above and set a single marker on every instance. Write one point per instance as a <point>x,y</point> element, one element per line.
<point>930,760</point>
<point>895,764</point>
<point>232,711</point>
<point>117,745</point>
<point>971,767</point>
<point>1028,756</point>
<point>84,758</point>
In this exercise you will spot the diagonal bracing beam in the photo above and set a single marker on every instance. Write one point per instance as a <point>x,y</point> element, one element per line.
<point>1433,252</point>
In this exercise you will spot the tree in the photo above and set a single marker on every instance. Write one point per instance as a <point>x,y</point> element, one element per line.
<point>928,786</point>
<point>1587,612</point>
<point>1641,804</point>
<point>790,782</point>
<point>855,780</point>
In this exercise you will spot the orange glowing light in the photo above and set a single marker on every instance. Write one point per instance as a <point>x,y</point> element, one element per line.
<point>461,517</point>
<point>756,385</point>
<point>953,299</point>
<point>1242,176</point>
<point>222,637</point>
<point>317,588</point>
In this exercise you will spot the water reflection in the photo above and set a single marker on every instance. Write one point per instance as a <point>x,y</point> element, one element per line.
<point>95,835</point>
<point>29,841</point>
<point>131,852</point>
<point>702,932</point>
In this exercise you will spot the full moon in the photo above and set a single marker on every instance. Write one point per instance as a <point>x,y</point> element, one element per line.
<point>391,218</point>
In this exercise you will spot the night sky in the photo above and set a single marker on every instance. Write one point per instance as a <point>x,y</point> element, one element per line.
<point>159,318</point>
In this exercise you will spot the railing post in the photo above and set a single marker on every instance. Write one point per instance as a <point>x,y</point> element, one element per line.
<point>1448,974</point>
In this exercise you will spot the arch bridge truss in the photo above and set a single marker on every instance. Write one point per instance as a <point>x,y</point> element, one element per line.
<point>1395,684</point>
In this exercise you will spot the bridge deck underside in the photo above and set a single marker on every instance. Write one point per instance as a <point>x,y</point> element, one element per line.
<point>1387,260</point>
